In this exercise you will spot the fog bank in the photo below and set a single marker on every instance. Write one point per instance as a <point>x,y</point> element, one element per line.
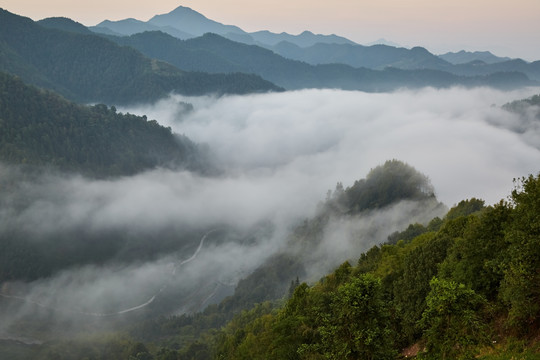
<point>278,155</point>
<point>460,138</point>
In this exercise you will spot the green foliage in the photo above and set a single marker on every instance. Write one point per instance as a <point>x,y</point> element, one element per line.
<point>410,289</point>
<point>440,286</point>
<point>521,285</point>
<point>41,128</point>
<point>387,184</point>
<point>439,289</point>
<point>525,107</point>
<point>358,325</point>
<point>464,208</point>
<point>266,283</point>
<point>102,347</point>
<point>452,322</point>
<point>476,258</point>
<point>513,348</point>
<point>412,231</point>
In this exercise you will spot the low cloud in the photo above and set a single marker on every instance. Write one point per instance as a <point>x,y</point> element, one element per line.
<point>460,138</point>
<point>279,154</point>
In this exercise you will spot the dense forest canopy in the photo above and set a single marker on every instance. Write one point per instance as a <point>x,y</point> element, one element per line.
<point>41,128</point>
<point>456,291</point>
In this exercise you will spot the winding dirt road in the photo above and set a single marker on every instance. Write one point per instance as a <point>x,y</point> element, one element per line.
<point>124,311</point>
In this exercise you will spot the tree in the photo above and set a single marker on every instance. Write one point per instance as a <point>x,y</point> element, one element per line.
<point>476,258</point>
<point>451,321</point>
<point>358,326</point>
<point>521,284</point>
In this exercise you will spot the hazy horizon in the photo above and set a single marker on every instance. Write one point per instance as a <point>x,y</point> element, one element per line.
<point>505,29</point>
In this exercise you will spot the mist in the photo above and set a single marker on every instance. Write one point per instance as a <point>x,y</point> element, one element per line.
<point>278,154</point>
<point>460,138</point>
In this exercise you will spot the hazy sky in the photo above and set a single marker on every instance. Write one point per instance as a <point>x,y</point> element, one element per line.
<point>507,28</point>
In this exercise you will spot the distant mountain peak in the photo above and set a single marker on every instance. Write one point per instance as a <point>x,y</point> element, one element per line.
<point>65,24</point>
<point>190,21</point>
<point>182,11</point>
<point>464,57</point>
<point>383,41</point>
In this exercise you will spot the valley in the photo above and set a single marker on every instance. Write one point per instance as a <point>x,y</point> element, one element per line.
<point>178,188</point>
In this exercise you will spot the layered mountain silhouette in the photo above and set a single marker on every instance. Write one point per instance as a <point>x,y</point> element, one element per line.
<point>314,49</point>
<point>185,23</point>
<point>89,68</point>
<point>214,53</point>
<point>373,57</point>
<point>62,55</point>
<point>463,57</point>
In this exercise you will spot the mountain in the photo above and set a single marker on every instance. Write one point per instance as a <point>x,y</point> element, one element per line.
<point>41,128</point>
<point>383,41</point>
<point>463,57</point>
<point>65,24</point>
<point>185,23</point>
<point>305,39</point>
<point>373,57</point>
<point>90,68</point>
<point>310,48</point>
<point>213,53</point>
<point>133,26</point>
<point>532,70</point>
<point>190,21</point>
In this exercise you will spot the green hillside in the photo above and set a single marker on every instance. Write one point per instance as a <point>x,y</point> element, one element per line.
<point>38,127</point>
<point>467,288</point>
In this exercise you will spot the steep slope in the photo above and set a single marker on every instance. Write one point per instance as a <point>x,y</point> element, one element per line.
<point>446,293</point>
<point>41,128</point>
<point>89,68</point>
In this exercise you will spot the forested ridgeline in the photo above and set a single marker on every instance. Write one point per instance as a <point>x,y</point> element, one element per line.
<point>468,287</point>
<point>41,128</point>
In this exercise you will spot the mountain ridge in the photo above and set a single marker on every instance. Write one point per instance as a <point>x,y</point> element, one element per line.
<point>214,53</point>
<point>90,68</point>
<point>190,23</point>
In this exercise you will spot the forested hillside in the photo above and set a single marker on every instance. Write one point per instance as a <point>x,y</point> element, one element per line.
<point>41,128</point>
<point>88,68</point>
<point>466,287</point>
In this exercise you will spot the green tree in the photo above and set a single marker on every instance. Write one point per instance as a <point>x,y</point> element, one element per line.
<point>358,326</point>
<point>453,326</point>
<point>476,258</point>
<point>521,285</point>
